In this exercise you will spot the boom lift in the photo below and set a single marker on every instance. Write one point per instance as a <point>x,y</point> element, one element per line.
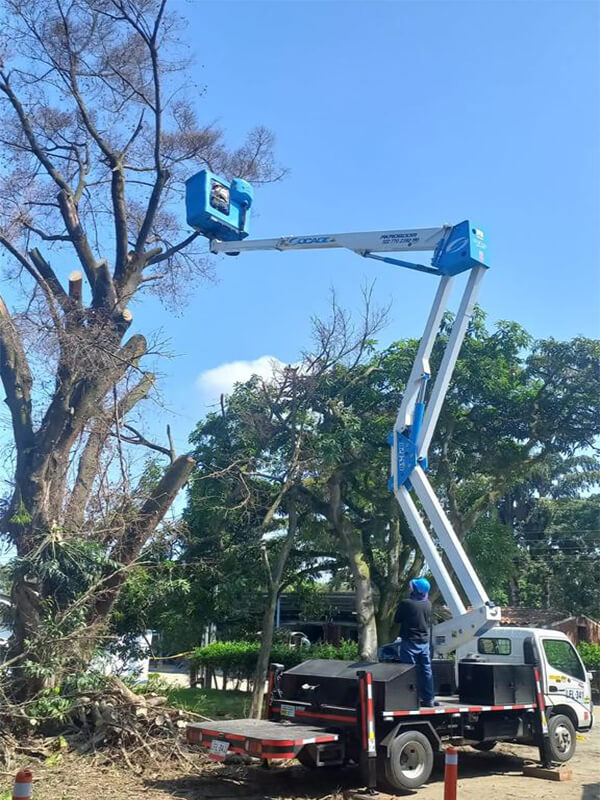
<point>507,678</point>
<point>456,248</point>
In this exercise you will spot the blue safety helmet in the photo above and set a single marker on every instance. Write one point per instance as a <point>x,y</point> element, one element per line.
<point>420,586</point>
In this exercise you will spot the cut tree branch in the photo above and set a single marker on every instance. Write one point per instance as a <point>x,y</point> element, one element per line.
<point>172,250</point>
<point>149,516</point>
<point>80,243</point>
<point>90,457</point>
<point>138,438</point>
<point>16,378</point>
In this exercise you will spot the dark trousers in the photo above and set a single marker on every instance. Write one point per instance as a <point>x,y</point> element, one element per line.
<point>414,653</point>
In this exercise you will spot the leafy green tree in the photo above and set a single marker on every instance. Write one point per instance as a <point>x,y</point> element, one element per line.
<point>561,539</point>
<point>492,547</point>
<point>495,453</point>
<point>261,451</point>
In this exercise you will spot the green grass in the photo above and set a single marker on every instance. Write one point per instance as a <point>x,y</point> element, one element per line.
<point>212,703</point>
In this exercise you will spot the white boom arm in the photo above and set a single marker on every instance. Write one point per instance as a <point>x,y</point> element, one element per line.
<point>416,420</point>
<point>369,242</point>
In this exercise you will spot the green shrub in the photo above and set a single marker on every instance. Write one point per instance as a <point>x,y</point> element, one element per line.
<point>239,658</point>
<point>590,654</point>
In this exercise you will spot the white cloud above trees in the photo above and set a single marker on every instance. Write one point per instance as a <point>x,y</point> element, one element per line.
<point>220,380</point>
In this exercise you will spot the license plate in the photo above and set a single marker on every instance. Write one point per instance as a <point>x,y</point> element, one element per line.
<point>218,748</point>
<point>287,710</point>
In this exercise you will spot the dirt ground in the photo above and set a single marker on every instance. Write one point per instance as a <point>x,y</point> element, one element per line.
<point>482,776</point>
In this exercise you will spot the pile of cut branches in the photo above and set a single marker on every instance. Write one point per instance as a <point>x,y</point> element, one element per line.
<point>141,728</point>
<point>113,724</point>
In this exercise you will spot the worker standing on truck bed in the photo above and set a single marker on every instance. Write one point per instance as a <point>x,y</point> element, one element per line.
<point>414,616</point>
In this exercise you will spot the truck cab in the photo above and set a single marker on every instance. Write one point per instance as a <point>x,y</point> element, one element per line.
<point>566,685</point>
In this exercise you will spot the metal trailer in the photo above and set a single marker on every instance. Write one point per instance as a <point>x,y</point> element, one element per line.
<point>394,747</point>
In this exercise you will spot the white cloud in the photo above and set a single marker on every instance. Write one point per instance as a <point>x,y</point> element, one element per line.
<point>220,380</point>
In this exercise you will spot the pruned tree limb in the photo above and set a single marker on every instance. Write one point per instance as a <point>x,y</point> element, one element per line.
<point>172,250</point>
<point>76,287</point>
<point>149,516</point>
<point>16,378</point>
<point>139,438</point>
<point>80,243</point>
<point>89,460</point>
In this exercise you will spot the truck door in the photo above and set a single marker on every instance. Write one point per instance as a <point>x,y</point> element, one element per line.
<point>565,675</point>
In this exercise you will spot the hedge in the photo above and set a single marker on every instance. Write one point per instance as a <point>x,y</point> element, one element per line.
<point>237,660</point>
<point>590,655</point>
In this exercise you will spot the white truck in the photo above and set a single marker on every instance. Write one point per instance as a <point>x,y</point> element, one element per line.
<point>565,684</point>
<point>522,685</point>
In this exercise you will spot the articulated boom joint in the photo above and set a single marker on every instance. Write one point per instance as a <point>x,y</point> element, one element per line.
<point>407,452</point>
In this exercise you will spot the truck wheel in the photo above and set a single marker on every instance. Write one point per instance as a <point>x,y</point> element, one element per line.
<point>485,747</point>
<point>409,762</point>
<point>562,737</point>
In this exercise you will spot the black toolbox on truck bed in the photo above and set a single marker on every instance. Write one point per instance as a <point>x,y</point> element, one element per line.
<point>334,683</point>
<point>493,684</point>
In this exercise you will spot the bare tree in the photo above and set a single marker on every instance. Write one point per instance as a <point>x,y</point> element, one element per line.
<point>96,137</point>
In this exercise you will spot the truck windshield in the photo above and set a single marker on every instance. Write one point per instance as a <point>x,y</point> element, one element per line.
<point>561,655</point>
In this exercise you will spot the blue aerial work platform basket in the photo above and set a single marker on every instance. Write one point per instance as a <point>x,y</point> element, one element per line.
<point>218,208</point>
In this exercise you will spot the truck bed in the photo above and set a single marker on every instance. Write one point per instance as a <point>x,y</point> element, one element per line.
<point>255,737</point>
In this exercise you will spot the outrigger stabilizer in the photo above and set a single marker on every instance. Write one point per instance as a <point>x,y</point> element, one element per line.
<point>219,210</point>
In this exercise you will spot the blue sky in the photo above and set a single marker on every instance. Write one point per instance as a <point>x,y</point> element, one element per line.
<point>392,115</point>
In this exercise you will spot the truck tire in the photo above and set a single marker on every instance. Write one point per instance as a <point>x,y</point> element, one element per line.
<point>562,738</point>
<point>409,761</point>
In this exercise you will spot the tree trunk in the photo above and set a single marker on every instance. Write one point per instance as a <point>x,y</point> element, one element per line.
<point>30,594</point>
<point>513,592</point>
<point>385,617</point>
<point>361,573</point>
<point>262,664</point>
<point>266,641</point>
<point>365,608</point>
<point>389,589</point>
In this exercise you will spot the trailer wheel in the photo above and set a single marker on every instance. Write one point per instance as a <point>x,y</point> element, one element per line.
<point>562,738</point>
<point>409,761</point>
<point>485,747</point>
